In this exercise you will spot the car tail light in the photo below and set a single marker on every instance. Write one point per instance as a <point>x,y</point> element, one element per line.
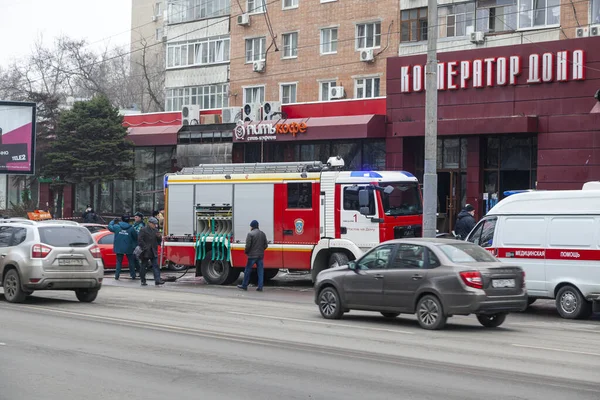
<point>40,251</point>
<point>523,283</point>
<point>472,279</point>
<point>95,250</point>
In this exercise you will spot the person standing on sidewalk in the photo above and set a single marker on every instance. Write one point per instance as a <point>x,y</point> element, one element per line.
<point>148,240</point>
<point>123,244</point>
<point>256,244</point>
<point>138,224</point>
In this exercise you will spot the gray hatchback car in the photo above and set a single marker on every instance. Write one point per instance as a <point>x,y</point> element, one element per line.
<point>432,278</point>
<point>48,255</point>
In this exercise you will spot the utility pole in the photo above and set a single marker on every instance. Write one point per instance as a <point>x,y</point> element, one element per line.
<point>431,122</point>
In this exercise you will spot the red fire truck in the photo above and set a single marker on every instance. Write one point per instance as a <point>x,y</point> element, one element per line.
<point>314,215</point>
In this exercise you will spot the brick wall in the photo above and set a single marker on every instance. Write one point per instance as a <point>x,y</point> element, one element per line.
<point>310,66</point>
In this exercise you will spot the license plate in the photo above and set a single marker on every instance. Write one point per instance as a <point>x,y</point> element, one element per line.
<point>503,283</point>
<point>74,262</point>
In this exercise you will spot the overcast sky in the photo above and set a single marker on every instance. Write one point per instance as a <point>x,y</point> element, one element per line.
<point>23,21</point>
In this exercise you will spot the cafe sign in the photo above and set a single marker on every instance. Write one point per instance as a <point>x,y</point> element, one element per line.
<point>267,130</point>
<point>562,66</point>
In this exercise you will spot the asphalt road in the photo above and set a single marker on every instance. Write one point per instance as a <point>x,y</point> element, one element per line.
<point>192,341</point>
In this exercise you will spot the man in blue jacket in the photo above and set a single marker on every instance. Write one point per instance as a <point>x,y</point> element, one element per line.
<point>124,244</point>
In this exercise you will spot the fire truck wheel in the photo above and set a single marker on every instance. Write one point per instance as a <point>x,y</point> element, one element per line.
<point>339,259</point>
<point>217,272</point>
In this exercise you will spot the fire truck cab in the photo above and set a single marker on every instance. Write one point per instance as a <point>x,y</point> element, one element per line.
<point>314,215</point>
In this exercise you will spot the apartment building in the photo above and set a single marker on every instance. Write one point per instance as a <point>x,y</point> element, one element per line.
<point>147,58</point>
<point>296,51</point>
<point>197,54</point>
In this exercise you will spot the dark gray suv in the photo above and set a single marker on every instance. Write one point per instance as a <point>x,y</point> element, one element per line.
<point>48,255</point>
<point>432,278</point>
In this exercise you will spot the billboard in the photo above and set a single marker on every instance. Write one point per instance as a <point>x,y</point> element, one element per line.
<point>17,138</point>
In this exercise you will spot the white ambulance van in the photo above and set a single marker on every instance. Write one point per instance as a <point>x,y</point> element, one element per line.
<point>555,237</point>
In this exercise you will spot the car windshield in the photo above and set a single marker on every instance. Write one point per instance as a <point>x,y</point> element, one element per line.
<point>65,236</point>
<point>466,253</point>
<point>404,200</point>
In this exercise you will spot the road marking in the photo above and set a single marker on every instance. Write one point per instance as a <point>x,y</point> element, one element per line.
<point>559,350</point>
<point>322,323</point>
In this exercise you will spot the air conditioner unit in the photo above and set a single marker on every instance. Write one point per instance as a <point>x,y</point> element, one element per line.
<point>258,66</point>
<point>367,55</point>
<point>582,32</point>
<point>477,37</point>
<point>251,112</point>
<point>271,110</point>
<point>336,92</point>
<point>190,115</point>
<point>595,30</point>
<point>243,19</point>
<point>232,115</point>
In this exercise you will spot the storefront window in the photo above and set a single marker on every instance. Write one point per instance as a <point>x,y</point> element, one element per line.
<point>350,152</point>
<point>144,179</point>
<point>123,200</point>
<point>105,205</point>
<point>314,152</point>
<point>374,155</point>
<point>164,156</point>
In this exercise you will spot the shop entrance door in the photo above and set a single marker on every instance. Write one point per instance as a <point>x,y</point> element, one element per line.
<point>448,199</point>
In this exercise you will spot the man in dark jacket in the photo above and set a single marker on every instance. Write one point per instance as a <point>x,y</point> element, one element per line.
<point>256,244</point>
<point>124,244</point>
<point>148,240</point>
<point>138,224</point>
<point>465,222</point>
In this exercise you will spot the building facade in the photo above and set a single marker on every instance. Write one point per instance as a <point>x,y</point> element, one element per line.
<point>510,118</point>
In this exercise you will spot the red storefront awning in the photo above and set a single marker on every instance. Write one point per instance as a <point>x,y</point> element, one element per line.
<point>154,135</point>
<point>321,128</point>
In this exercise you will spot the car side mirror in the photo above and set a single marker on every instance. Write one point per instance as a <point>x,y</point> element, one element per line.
<point>388,190</point>
<point>363,198</point>
<point>365,211</point>
<point>352,265</point>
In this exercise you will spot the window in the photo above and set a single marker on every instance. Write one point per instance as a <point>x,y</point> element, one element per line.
<point>65,236</point>
<point>290,45</point>
<point>324,89</point>
<point>254,94</point>
<point>108,239</point>
<point>351,202</point>
<point>329,40</point>
<point>290,4</point>
<point>157,9</point>
<point>368,36</point>
<point>159,34</point>
<point>207,97</point>
<point>596,11</point>
<point>190,10</point>
<point>377,258</point>
<point>198,52</point>
<point>410,256</point>
<point>256,6</point>
<point>6,233</point>
<point>288,93</point>
<point>496,15</point>
<point>466,253</point>
<point>456,20</point>
<point>403,200</point>
<point>536,13</point>
<point>483,233</point>
<point>256,49</point>
<point>19,236</point>
<point>413,26</point>
<point>299,195</point>
<point>366,88</point>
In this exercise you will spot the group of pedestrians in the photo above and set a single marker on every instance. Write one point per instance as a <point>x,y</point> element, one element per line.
<point>139,243</point>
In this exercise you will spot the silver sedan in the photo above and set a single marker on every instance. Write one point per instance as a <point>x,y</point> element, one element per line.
<point>432,278</point>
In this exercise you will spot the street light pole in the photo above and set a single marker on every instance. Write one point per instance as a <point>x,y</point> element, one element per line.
<point>431,121</point>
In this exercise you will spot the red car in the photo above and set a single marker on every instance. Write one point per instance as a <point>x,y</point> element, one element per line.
<point>104,239</point>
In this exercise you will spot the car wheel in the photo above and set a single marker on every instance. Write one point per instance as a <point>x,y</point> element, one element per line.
<point>390,314</point>
<point>86,295</point>
<point>492,320</point>
<point>338,259</point>
<point>177,267</point>
<point>571,304</point>
<point>13,292</point>
<point>430,313</point>
<point>329,304</point>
